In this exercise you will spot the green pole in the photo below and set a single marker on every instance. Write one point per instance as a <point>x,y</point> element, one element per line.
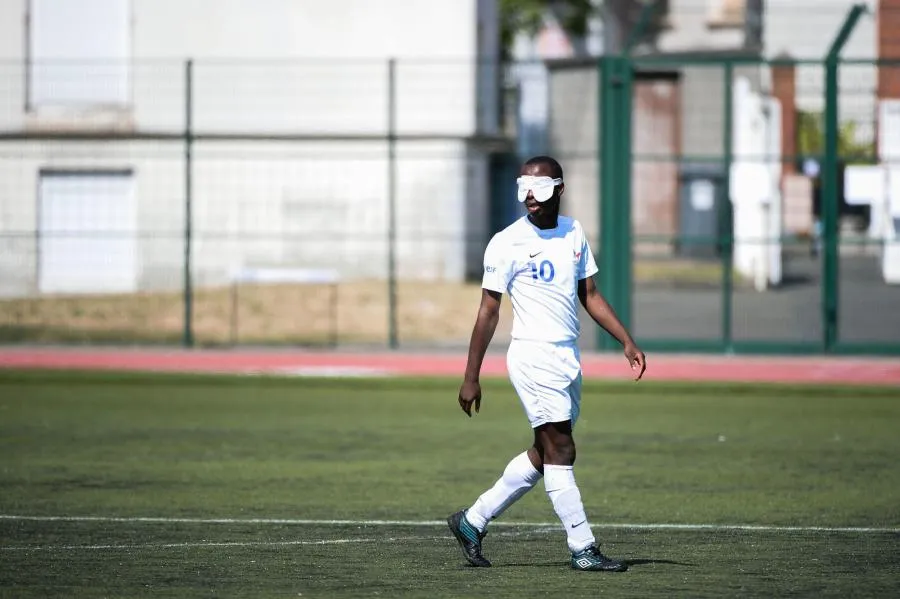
<point>616,171</point>
<point>726,226</point>
<point>608,176</point>
<point>392,204</point>
<point>830,191</point>
<point>622,202</point>
<point>602,170</point>
<point>614,135</point>
<point>188,332</point>
<point>829,210</point>
<point>856,11</point>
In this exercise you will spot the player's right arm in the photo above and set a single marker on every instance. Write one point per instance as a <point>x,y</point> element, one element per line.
<point>482,333</point>
<point>493,285</point>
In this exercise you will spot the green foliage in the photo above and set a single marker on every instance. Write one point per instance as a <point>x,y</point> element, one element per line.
<point>527,16</point>
<point>811,139</point>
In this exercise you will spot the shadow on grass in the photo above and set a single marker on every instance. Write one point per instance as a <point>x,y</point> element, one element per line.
<point>565,565</point>
<point>642,562</point>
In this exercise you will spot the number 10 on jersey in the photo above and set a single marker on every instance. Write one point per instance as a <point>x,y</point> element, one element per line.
<point>545,271</point>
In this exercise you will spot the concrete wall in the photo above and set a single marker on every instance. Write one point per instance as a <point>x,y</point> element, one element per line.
<point>574,141</point>
<point>703,107</point>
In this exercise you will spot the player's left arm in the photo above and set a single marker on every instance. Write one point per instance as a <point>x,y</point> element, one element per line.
<point>604,315</point>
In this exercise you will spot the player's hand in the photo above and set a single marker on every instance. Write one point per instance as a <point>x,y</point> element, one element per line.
<point>469,394</point>
<point>636,359</point>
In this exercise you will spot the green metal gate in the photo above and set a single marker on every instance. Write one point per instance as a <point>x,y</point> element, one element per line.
<point>830,297</point>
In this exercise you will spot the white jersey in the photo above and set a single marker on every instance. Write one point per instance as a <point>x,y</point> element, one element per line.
<point>540,269</point>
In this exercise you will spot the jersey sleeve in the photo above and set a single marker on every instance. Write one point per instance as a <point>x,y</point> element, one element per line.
<point>495,268</point>
<point>587,267</point>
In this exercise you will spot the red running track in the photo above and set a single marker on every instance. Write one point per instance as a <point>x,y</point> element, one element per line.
<point>667,367</point>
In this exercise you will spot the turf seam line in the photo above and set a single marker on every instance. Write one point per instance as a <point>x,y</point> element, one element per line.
<point>324,522</point>
<point>189,544</point>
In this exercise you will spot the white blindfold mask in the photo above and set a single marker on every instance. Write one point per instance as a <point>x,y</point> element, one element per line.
<point>540,187</point>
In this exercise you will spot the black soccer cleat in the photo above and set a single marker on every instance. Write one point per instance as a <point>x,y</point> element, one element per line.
<point>592,560</point>
<point>469,539</point>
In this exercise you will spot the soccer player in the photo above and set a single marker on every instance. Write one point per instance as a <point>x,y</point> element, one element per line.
<point>543,262</point>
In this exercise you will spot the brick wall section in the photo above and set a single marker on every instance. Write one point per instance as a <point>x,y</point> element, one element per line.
<point>784,88</point>
<point>889,47</point>
<point>656,146</point>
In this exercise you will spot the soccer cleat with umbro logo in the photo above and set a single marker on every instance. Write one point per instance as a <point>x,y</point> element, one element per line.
<point>469,539</point>
<point>592,560</point>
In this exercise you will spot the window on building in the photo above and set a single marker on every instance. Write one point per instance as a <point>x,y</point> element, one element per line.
<point>79,53</point>
<point>726,13</point>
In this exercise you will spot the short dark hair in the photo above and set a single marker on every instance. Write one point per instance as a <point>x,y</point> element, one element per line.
<point>555,167</point>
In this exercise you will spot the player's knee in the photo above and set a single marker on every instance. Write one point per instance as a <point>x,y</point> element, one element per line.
<point>562,453</point>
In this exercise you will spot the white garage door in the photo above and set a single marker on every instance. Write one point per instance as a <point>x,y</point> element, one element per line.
<point>88,233</point>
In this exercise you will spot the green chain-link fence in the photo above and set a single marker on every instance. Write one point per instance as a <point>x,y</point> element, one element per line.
<point>349,202</point>
<point>723,222</point>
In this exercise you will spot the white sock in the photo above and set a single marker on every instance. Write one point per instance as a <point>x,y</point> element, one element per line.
<point>518,478</point>
<point>559,481</point>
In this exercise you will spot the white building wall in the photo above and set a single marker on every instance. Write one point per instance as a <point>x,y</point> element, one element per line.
<point>304,29</point>
<point>293,66</point>
<point>690,29</point>
<point>807,32</point>
<point>279,67</point>
<point>290,59</point>
<point>12,71</point>
<point>158,169</point>
<point>806,29</point>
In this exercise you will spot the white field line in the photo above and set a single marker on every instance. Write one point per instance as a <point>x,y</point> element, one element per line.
<point>208,544</point>
<point>360,523</point>
<point>239,543</point>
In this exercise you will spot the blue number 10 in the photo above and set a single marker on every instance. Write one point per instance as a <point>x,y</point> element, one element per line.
<point>545,271</point>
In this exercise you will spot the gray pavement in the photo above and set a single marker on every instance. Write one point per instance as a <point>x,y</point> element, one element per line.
<point>869,309</point>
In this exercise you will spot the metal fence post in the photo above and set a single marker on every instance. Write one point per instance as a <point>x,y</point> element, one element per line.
<point>830,191</point>
<point>616,165</point>
<point>726,226</point>
<point>614,136</point>
<point>829,210</point>
<point>188,333</point>
<point>607,174</point>
<point>392,203</point>
<point>623,199</point>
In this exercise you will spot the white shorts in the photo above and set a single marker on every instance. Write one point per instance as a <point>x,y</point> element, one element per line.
<point>547,377</point>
